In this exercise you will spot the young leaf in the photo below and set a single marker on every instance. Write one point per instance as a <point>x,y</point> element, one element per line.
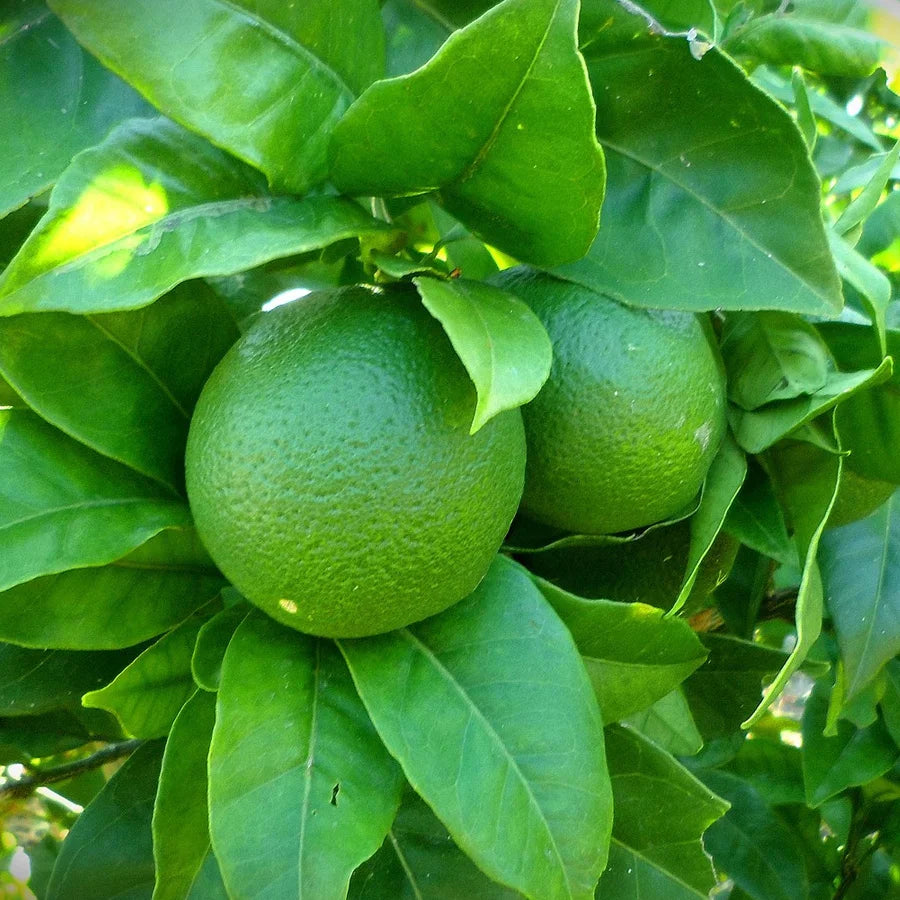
<point>147,696</point>
<point>658,855</point>
<point>293,745</point>
<point>154,205</point>
<point>860,565</point>
<point>62,506</point>
<point>632,653</point>
<point>265,80</point>
<point>489,711</point>
<point>806,121</point>
<point>120,604</point>
<point>61,99</point>
<point>669,724</point>
<point>212,642</point>
<point>519,168</point>
<point>501,342</point>
<point>681,222</point>
<point>109,852</point>
<point>186,868</point>
<point>88,375</point>
<point>861,207</point>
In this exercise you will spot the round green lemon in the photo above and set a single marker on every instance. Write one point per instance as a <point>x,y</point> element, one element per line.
<point>330,469</point>
<point>626,427</point>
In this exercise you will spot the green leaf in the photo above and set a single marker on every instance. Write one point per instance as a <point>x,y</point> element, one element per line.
<point>739,598</point>
<point>756,430</point>
<point>412,36</point>
<point>89,374</point>
<point>109,851</point>
<point>890,702</point>
<point>104,607</point>
<point>501,342</point>
<point>24,738</point>
<point>154,205</point>
<point>519,168</point>
<point>37,681</point>
<point>633,654</point>
<point>673,15</point>
<point>419,861</point>
<point>659,854</point>
<point>669,724</point>
<point>751,845</point>
<point>683,228</point>
<point>755,518</point>
<point>147,696</point>
<point>860,566</point>
<point>862,206</point>
<point>852,757</point>
<point>212,642</point>
<point>293,746</point>
<point>489,711</point>
<point>772,356</point>
<point>265,80</point>
<point>806,120</point>
<point>773,768</point>
<point>60,99</point>
<point>62,506</point>
<point>186,868</point>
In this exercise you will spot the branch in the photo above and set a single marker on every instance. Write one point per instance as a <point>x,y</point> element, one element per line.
<point>24,787</point>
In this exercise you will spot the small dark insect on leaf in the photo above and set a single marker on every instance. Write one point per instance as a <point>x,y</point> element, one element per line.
<point>334,793</point>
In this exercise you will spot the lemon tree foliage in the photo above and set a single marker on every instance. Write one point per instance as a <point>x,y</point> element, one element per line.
<point>449,449</point>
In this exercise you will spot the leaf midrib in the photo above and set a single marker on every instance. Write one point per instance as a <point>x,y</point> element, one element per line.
<point>88,504</point>
<point>655,865</point>
<point>308,767</point>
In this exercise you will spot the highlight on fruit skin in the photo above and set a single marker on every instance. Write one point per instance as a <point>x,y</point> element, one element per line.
<point>331,472</point>
<point>623,433</point>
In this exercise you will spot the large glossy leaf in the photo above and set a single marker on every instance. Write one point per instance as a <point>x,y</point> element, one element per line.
<point>751,845</point>
<point>501,342</point>
<point>682,226</point>
<point>186,868</point>
<point>293,745</point>
<point>419,861</point>
<point>489,711</point>
<point>521,169</point>
<point>148,695</point>
<point>36,681</point>
<point>632,653</point>
<point>263,79</point>
<point>60,99</point>
<point>861,573</point>
<point>122,383</point>
<point>62,506</point>
<point>154,205</point>
<point>104,607</point>
<point>661,854</point>
<point>109,851</point>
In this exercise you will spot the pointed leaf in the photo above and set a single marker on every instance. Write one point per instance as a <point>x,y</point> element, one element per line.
<point>755,518</point>
<point>773,768</point>
<point>632,653</point>
<point>293,745</point>
<point>521,169</point>
<point>109,851</point>
<point>683,228</point>
<point>669,724</point>
<point>862,206</point>
<point>489,711</point>
<point>186,868</point>
<point>658,855</point>
<point>60,98</point>
<point>154,205</point>
<point>212,642</point>
<point>501,342</point>
<point>265,80</point>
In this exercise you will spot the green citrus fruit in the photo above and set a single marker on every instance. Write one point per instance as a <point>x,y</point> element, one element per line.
<point>624,431</point>
<point>331,472</point>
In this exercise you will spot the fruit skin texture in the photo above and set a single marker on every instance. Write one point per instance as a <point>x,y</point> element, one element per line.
<point>625,429</point>
<point>330,469</point>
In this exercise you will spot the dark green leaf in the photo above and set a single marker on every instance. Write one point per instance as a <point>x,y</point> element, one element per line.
<point>122,383</point>
<point>412,35</point>
<point>806,120</point>
<point>669,724</point>
<point>99,608</point>
<point>862,206</point>
<point>489,711</point>
<point>501,342</point>
<point>147,696</point>
<point>109,852</point>
<point>265,80</point>
<point>756,518</point>
<point>861,574</point>
<point>658,854</point>
<point>293,746</point>
<point>633,653</point>
<point>683,227</point>
<point>773,768</point>
<point>740,597</point>
<point>24,738</point>
<point>186,868</point>
<point>890,702</point>
<point>521,169</point>
<point>154,205</point>
<point>212,642</point>
<point>60,99</point>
